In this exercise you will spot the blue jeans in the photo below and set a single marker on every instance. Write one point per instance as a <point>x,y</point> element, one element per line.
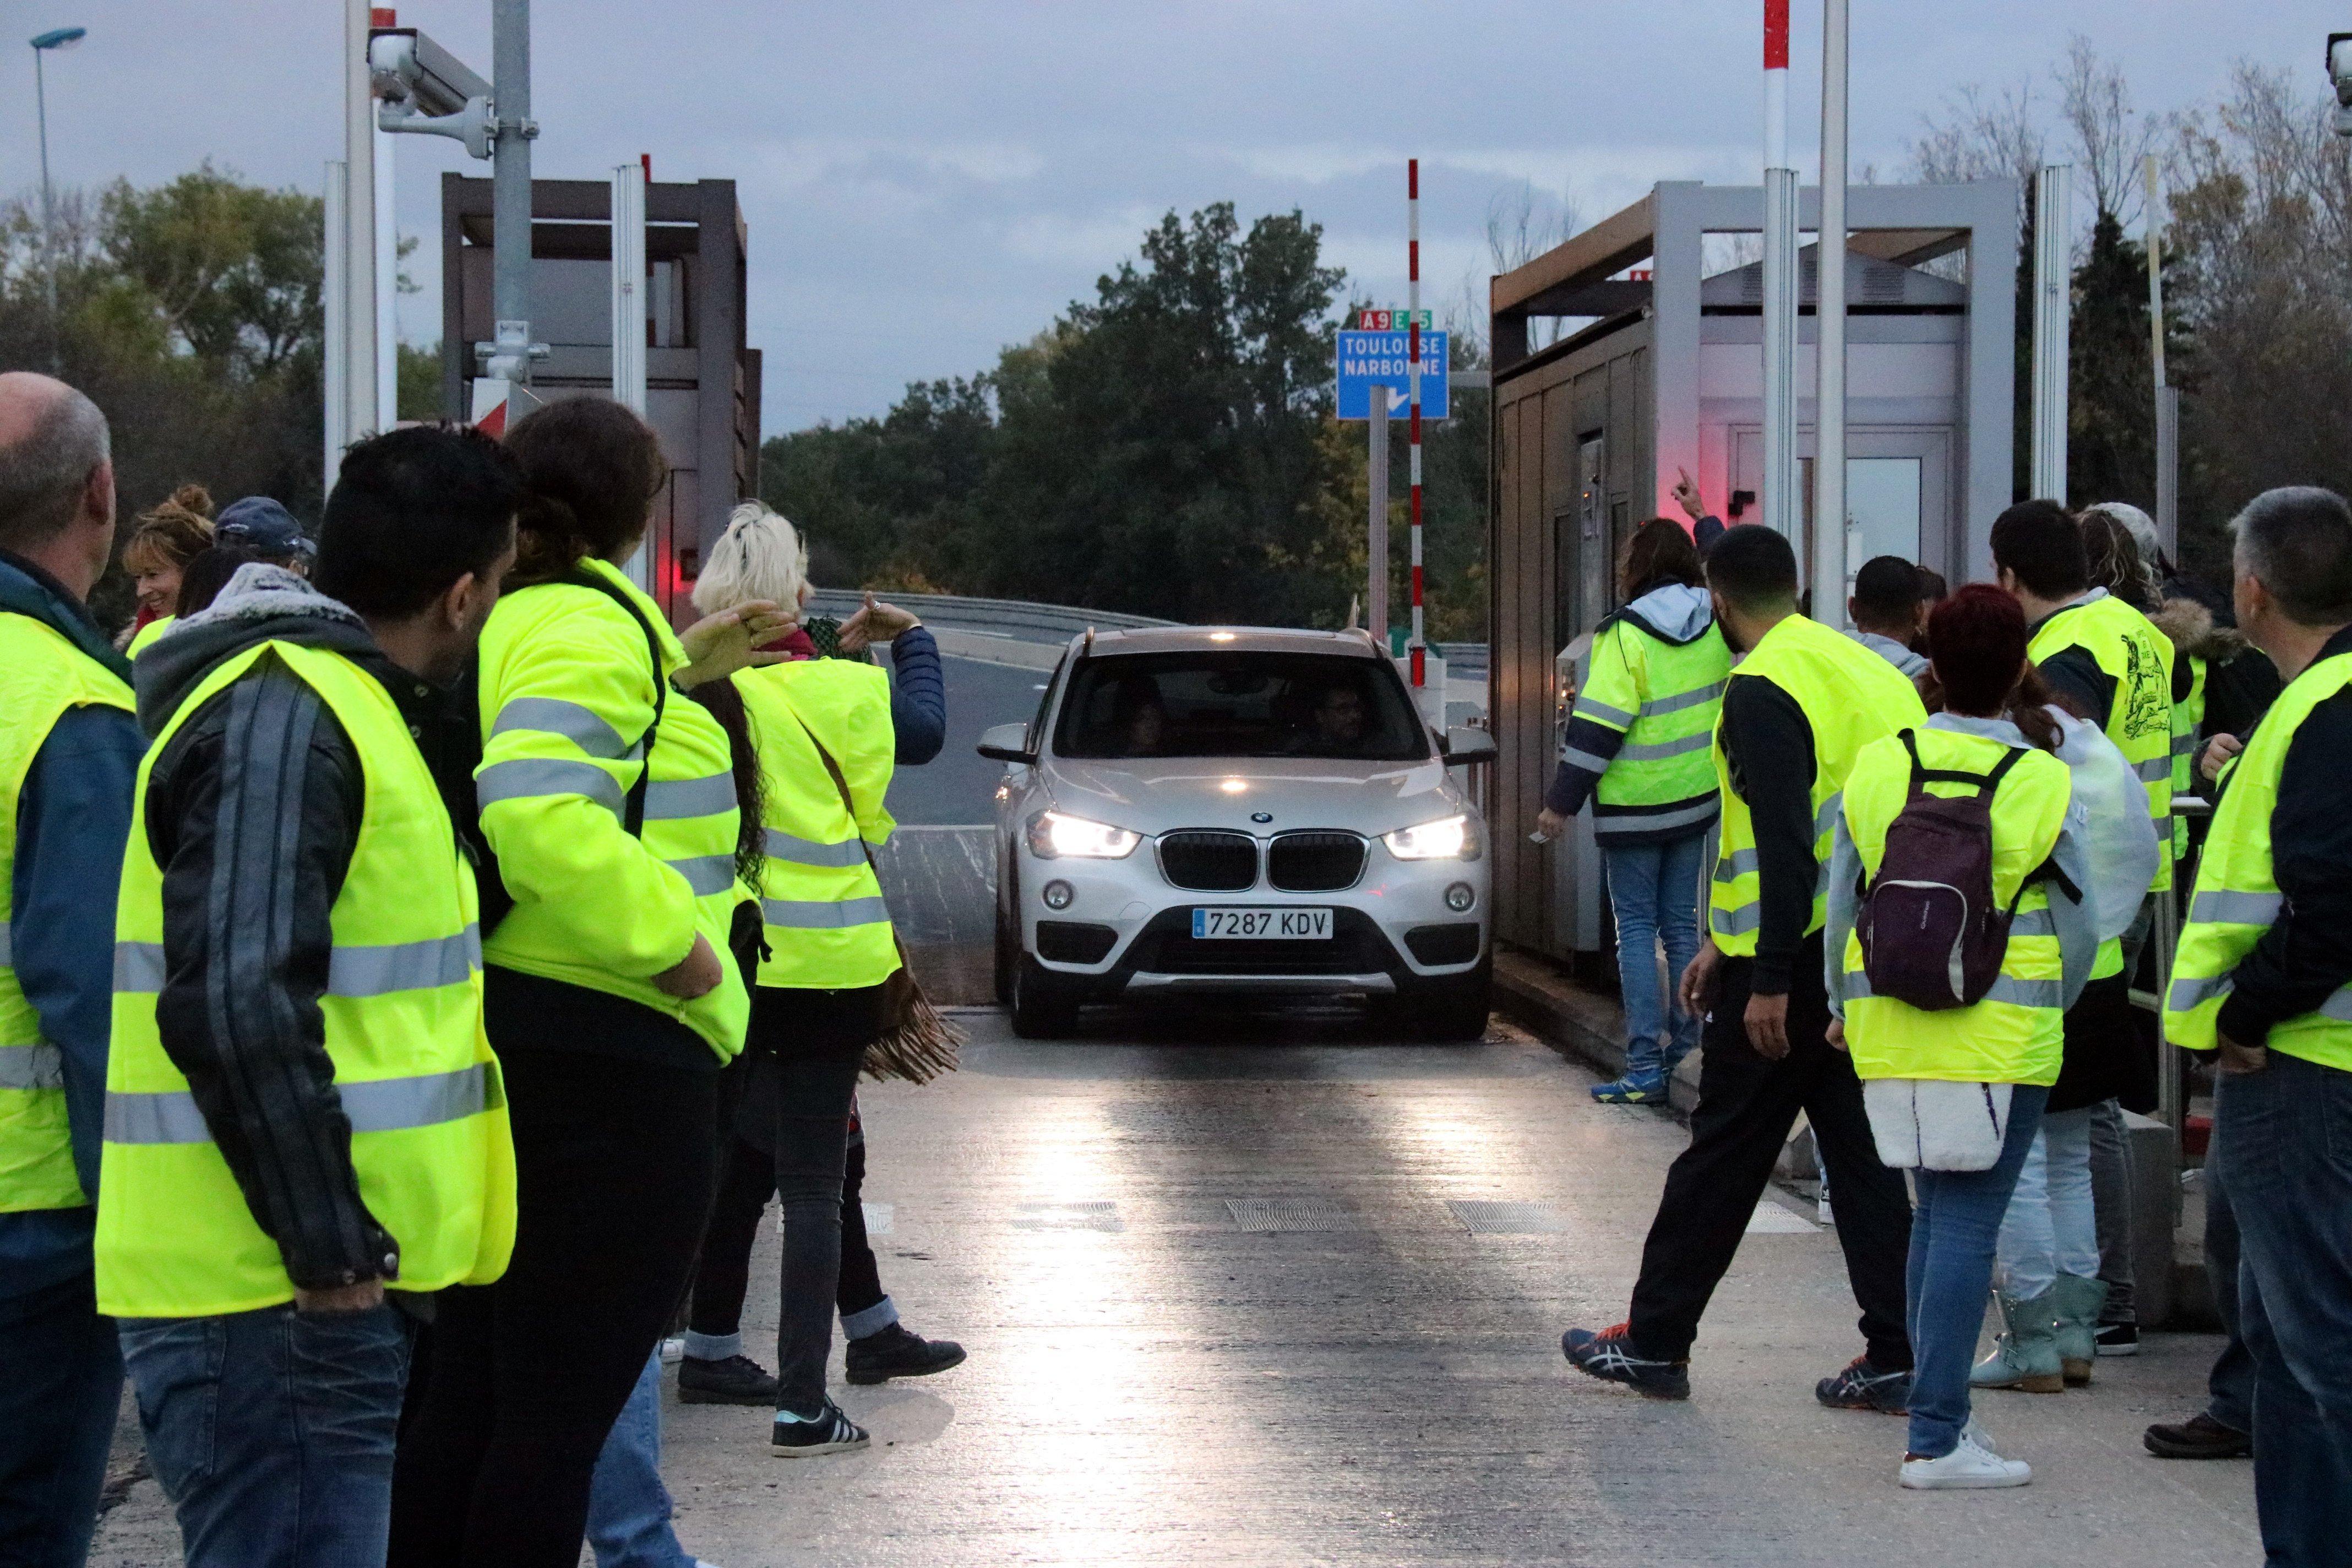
<point>2283,1138</point>
<point>272,1431</point>
<point>628,1507</point>
<point>2231,1380</point>
<point>60,1386</point>
<point>1952,1232</point>
<point>1653,891</point>
<point>2052,1227</point>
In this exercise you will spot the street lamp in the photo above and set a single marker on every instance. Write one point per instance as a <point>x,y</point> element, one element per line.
<point>55,38</point>
<point>2339,70</point>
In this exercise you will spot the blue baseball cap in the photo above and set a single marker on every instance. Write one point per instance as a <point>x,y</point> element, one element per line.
<point>261,525</point>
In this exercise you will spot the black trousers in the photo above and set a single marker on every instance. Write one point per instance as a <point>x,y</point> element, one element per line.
<point>724,1275</point>
<point>1745,1107</point>
<point>613,1161</point>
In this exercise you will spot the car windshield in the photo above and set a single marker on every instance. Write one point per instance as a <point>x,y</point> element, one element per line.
<point>1215,703</point>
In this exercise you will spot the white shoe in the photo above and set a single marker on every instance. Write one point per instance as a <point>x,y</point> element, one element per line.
<point>1969,1465</point>
<point>673,1350</point>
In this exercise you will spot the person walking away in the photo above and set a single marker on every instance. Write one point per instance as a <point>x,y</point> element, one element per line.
<point>69,752</point>
<point>607,802</point>
<point>1887,612</point>
<point>1797,710</point>
<point>826,748</point>
<point>304,1124</point>
<point>158,553</point>
<point>2105,661</point>
<point>1636,747</point>
<point>1923,1066</point>
<point>2263,979</point>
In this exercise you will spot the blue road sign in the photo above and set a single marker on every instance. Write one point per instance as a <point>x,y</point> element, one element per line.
<point>1366,358</point>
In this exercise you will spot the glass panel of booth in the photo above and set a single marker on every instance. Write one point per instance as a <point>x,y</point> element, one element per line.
<point>1897,487</point>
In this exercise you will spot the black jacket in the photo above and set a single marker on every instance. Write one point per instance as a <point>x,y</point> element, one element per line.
<point>2305,956</point>
<point>1767,744</point>
<point>252,812</point>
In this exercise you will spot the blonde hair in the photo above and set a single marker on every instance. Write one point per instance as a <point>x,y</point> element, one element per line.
<point>760,556</point>
<point>171,535</point>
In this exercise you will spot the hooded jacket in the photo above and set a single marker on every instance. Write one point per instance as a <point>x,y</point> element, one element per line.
<point>1619,697</point>
<point>253,811</point>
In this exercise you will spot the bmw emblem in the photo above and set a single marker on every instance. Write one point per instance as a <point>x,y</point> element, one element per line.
<point>1261,816</point>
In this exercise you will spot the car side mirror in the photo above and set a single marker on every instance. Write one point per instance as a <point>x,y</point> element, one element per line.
<point>1468,748</point>
<point>1006,743</point>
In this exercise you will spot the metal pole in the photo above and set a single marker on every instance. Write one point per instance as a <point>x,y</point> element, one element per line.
<point>48,217</point>
<point>358,236</point>
<point>510,194</point>
<point>2168,400</point>
<point>1376,600</point>
<point>1414,647</point>
<point>1780,501</point>
<point>386,303</point>
<point>334,358</point>
<point>629,319</point>
<point>1830,567</point>
<point>2053,193</point>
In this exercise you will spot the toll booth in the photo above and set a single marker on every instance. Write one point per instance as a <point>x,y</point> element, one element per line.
<point>702,382</point>
<point>1663,372</point>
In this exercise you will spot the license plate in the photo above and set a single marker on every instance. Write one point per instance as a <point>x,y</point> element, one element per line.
<point>1262,925</point>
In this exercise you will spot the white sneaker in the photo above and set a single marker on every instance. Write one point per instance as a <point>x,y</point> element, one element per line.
<point>1969,1465</point>
<point>673,1350</point>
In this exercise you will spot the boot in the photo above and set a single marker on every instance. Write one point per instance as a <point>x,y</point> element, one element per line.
<point>2026,1356</point>
<point>2078,1301</point>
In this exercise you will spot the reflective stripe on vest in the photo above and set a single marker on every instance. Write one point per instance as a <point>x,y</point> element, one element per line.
<point>42,675</point>
<point>827,925</point>
<point>2138,658</point>
<point>1663,697</point>
<point>2237,896</point>
<point>2016,1032</point>
<point>402,1029</point>
<point>1851,697</point>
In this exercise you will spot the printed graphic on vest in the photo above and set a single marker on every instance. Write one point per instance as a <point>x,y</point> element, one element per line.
<point>2146,694</point>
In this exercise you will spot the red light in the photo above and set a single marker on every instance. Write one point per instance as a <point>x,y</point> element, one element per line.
<point>382,16</point>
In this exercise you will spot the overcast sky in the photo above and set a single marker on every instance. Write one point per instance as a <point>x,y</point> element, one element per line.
<point>925,181</point>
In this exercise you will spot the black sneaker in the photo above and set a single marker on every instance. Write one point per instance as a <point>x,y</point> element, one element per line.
<point>893,1352</point>
<point>738,1380</point>
<point>830,1433</point>
<point>2198,1437</point>
<point>1609,1356</point>
<point>1862,1386</point>
<point>2118,1339</point>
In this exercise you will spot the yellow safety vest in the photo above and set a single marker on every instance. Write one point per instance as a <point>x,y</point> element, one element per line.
<point>2138,659</point>
<point>827,927</point>
<point>1665,698</point>
<point>2017,1033</point>
<point>42,674</point>
<point>567,695</point>
<point>149,633</point>
<point>1851,697</point>
<point>2188,718</point>
<point>403,1011</point>
<point>2237,894</point>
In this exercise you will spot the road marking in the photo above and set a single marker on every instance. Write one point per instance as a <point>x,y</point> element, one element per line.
<point>1091,1215</point>
<point>1771,1219</point>
<point>1482,1217</point>
<point>1291,1214</point>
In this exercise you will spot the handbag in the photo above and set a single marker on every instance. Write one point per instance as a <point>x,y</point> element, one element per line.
<point>917,1043</point>
<point>1932,1125</point>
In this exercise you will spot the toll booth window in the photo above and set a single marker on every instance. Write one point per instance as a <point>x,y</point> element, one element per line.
<point>1239,704</point>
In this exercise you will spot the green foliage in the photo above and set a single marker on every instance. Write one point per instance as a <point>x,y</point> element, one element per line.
<point>418,387</point>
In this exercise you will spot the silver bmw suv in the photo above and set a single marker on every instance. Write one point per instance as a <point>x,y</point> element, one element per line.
<point>1240,811</point>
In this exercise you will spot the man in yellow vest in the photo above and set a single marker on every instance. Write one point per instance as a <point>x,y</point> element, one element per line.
<point>68,751</point>
<point>306,1130</point>
<point>1798,708</point>
<point>2264,977</point>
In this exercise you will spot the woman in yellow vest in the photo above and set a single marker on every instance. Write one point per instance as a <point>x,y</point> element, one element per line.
<point>607,799</point>
<point>826,748</point>
<point>166,539</point>
<point>2001,1054</point>
<point>1637,746</point>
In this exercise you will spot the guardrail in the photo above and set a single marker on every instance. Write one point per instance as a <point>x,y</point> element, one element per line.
<point>1020,618</point>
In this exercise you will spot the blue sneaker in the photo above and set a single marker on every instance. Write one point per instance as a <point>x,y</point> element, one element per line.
<point>1633,1089</point>
<point>1609,1356</point>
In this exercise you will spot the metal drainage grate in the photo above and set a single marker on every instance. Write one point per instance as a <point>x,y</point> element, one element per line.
<point>1482,1217</point>
<point>1771,1219</point>
<point>1067,1217</point>
<point>1291,1214</point>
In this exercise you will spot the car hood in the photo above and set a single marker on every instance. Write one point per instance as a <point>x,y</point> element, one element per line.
<point>1156,796</point>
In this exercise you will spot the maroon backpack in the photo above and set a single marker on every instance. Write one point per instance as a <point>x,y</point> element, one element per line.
<point>1931,934</point>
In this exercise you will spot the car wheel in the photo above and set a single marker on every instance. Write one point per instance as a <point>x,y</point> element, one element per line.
<point>1008,939</point>
<point>1044,1006</point>
<point>1455,1009</point>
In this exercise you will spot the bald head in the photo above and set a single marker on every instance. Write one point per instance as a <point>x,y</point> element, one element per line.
<point>56,479</point>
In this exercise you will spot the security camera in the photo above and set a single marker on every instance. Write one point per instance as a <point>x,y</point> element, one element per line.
<point>2339,67</point>
<point>422,87</point>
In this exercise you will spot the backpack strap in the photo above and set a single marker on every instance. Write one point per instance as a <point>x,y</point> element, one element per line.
<point>1985,783</point>
<point>633,806</point>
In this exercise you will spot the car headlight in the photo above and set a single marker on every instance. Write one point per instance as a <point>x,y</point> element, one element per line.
<point>1448,838</point>
<point>1053,835</point>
